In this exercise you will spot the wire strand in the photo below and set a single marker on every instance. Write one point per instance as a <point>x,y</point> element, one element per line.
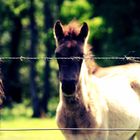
<point>22,58</point>
<point>78,129</point>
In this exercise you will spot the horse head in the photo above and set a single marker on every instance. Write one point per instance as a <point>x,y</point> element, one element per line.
<point>69,52</point>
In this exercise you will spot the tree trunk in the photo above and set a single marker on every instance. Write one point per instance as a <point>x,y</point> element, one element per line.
<point>13,89</point>
<point>34,37</point>
<point>48,21</point>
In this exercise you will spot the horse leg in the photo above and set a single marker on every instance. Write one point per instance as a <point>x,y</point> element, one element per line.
<point>138,134</point>
<point>133,137</point>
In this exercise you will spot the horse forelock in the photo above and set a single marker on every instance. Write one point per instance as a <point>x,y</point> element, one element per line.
<point>72,29</point>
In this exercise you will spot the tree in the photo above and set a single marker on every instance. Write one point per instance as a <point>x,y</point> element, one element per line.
<point>49,19</point>
<point>13,74</point>
<point>122,28</point>
<point>48,23</point>
<point>11,15</point>
<point>34,42</point>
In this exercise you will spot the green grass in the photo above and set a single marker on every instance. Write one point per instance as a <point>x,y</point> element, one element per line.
<point>20,117</point>
<point>30,135</point>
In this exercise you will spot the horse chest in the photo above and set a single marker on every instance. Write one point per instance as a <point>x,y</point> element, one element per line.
<point>78,119</point>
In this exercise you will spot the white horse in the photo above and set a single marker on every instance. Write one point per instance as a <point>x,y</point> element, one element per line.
<point>90,102</point>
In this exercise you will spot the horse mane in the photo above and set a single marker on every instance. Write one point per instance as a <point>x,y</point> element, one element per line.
<point>89,60</point>
<point>72,30</point>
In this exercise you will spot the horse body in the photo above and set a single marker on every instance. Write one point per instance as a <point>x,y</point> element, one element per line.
<point>90,102</point>
<point>123,106</point>
<point>102,106</point>
<point>131,71</point>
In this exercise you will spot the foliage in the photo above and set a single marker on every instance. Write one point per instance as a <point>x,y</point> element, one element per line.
<point>122,20</point>
<point>97,28</point>
<point>76,9</point>
<point>24,110</point>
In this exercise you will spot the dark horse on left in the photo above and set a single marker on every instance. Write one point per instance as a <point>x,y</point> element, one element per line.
<point>1,90</point>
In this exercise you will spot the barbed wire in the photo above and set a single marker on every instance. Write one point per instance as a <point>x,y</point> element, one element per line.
<point>22,58</point>
<point>76,129</point>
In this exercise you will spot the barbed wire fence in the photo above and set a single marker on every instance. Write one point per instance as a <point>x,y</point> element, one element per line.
<point>23,58</point>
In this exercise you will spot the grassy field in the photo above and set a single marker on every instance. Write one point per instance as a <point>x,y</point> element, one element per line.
<point>20,117</point>
<point>30,135</point>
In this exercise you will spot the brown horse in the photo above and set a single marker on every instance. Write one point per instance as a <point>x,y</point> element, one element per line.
<point>1,90</point>
<point>87,101</point>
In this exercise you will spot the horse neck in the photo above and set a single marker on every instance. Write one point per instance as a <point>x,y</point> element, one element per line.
<point>83,82</point>
<point>80,97</point>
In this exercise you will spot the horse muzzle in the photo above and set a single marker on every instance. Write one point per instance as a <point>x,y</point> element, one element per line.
<point>68,86</point>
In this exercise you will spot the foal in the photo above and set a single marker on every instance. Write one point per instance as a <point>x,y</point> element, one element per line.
<point>89,102</point>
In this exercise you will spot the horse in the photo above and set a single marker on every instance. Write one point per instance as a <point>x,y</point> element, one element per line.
<point>1,92</point>
<point>87,101</point>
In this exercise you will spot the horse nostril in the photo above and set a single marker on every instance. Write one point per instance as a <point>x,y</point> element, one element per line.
<point>68,87</point>
<point>68,81</point>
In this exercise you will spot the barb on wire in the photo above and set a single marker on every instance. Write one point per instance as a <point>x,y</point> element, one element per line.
<point>133,59</point>
<point>77,129</point>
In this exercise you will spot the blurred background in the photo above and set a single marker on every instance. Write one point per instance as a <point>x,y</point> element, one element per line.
<point>26,29</point>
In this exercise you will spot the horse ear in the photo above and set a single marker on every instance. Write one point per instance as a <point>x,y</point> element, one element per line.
<point>84,31</point>
<point>58,30</point>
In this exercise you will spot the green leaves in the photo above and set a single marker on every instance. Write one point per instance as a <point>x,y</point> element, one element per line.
<point>97,28</point>
<point>16,6</point>
<point>77,9</point>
